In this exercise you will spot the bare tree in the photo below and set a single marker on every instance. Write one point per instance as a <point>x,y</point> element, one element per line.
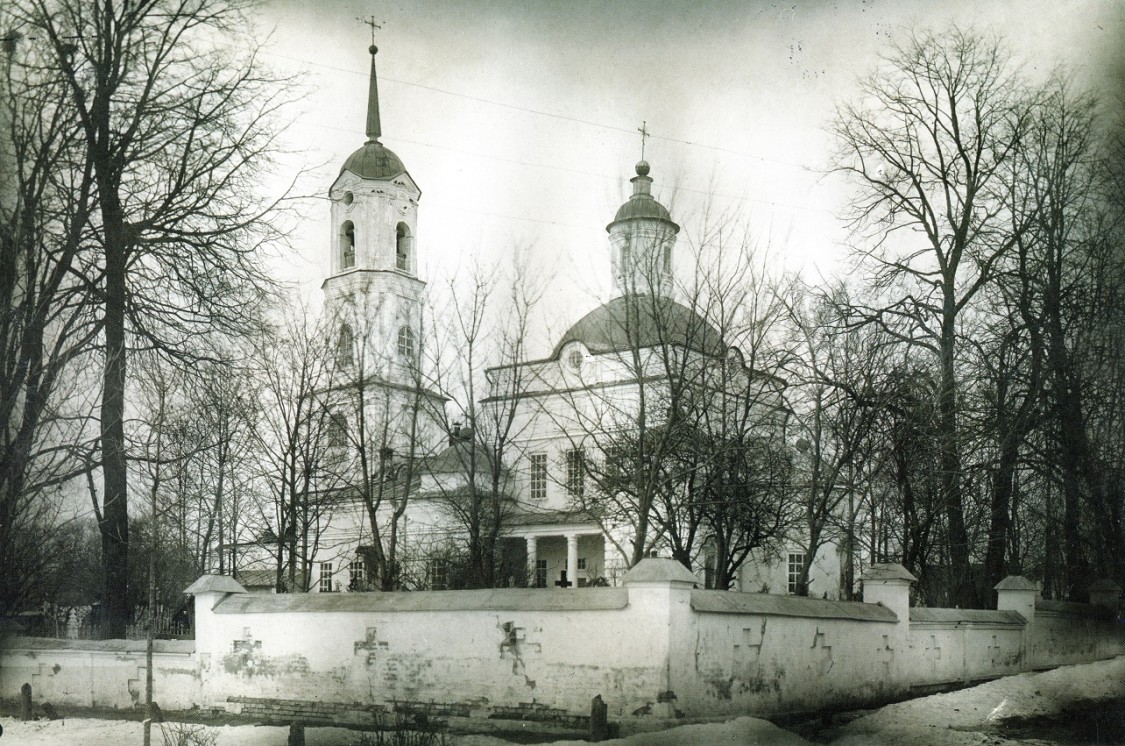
<point>480,369</point>
<point>296,365</point>
<point>47,321</point>
<point>680,421</point>
<point>380,424</point>
<point>175,122</point>
<point>929,146</point>
<point>837,378</point>
<point>1073,265</point>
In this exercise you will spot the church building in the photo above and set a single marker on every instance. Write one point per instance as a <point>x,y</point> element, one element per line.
<point>597,419</point>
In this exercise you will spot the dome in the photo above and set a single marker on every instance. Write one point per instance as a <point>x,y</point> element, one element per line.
<point>641,204</point>
<point>374,161</point>
<point>642,321</point>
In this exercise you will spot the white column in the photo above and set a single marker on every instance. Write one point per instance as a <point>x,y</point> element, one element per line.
<point>532,556</point>
<point>572,559</point>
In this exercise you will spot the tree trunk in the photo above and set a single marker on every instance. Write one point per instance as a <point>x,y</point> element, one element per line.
<point>115,514</point>
<point>961,589</point>
<point>1003,482</point>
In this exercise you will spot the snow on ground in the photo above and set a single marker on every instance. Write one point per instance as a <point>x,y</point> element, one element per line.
<point>91,732</point>
<point>954,719</point>
<point>969,716</point>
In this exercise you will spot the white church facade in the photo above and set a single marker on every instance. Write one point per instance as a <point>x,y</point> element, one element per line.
<point>606,380</point>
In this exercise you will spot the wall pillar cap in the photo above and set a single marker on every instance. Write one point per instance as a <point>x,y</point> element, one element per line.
<point>660,571</point>
<point>1015,583</point>
<point>1105,585</point>
<point>888,571</point>
<point>214,584</point>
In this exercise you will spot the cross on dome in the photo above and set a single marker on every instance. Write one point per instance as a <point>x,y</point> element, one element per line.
<point>643,129</point>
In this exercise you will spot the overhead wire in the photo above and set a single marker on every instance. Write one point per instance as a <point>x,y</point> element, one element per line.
<point>551,167</point>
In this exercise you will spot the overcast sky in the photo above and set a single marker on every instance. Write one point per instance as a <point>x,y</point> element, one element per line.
<point>519,120</point>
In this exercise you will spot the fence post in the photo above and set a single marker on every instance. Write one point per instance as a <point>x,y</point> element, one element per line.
<point>1106,594</point>
<point>1018,594</point>
<point>662,588</point>
<point>209,591</point>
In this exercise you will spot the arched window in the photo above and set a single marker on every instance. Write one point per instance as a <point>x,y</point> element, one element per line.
<point>337,430</point>
<point>347,245</point>
<point>402,247</point>
<point>406,344</point>
<point>345,343</point>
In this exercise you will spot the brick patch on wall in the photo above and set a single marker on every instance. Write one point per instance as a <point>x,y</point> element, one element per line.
<point>535,712</point>
<point>284,711</point>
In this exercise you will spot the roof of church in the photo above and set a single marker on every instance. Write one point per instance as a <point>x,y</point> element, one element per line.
<point>374,161</point>
<point>640,321</point>
<point>456,458</point>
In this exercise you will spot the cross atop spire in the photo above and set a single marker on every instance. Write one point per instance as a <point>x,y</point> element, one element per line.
<point>370,21</point>
<point>374,129</point>
<point>645,134</point>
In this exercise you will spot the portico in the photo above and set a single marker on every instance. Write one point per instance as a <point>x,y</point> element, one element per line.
<point>578,550</point>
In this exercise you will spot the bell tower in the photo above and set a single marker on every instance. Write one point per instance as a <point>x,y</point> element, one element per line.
<point>372,289</point>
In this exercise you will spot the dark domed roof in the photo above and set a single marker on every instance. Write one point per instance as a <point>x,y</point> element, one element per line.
<point>642,321</point>
<point>641,204</point>
<point>374,161</point>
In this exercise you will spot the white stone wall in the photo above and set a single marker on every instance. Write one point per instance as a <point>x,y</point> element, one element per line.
<point>654,648</point>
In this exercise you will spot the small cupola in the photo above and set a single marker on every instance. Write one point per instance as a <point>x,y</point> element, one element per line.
<point>642,237</point>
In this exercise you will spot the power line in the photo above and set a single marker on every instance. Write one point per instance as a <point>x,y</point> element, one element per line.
<point>552,115</point>
<point>550,167</point>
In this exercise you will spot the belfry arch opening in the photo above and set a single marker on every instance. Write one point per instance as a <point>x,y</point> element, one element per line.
<point>347,245</point>
<point>404,245</point>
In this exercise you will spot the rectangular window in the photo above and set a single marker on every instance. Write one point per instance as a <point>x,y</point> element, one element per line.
<point>538,476</point>
<point>337,430</point>
<point>439,575</point>
<point>358,575</point>
<point>581,563</point>
<point>575,478</point>
<point>796,562</point>
<point>325,577</point>
<point>540,573</point>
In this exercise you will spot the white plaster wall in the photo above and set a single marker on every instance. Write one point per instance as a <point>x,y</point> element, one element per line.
<point>562,658</point>
<point>113,679</point>
<point>764,664</point>
<point>517,647</point>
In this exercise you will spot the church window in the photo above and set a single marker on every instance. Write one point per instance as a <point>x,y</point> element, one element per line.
<point>337,430</point>
<point>575,477</point>
<point>406,344</point>
<point>348,198</point>
<point>574,359</point>
<point>402,247</point>
<point>626,258</point>
<point>796,564</point>
<point>347,245</point>
<point>325,577</point>
<point>667,258</point>
<point>345,343</point>
<point>538,476</point>
<point>439,574</point>
<point>358,575</point>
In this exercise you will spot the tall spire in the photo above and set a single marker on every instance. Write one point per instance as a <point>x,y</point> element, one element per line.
<point>373,129</point>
